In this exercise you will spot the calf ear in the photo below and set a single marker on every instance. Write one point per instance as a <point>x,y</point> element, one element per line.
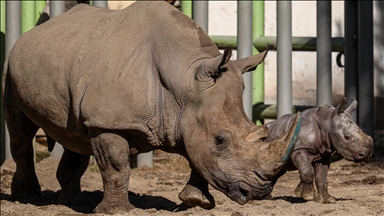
<point>213,67</point>
<point>340,107</point>
<point>250,63</point>
<point>351,107</point>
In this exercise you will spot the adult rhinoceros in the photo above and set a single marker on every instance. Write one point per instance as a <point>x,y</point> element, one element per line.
<point>109,83</point>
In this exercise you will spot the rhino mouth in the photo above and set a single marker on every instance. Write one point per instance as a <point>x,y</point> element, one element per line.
<point>358,157</point>
<point>240,193</point>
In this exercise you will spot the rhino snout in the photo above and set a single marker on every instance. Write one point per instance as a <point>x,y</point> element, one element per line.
<point>240,193</point>
<point>365,154</point>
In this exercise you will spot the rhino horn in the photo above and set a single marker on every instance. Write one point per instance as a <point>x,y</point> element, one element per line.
<point>352,106</point>
<point>257,133</point>
<point>250,63</point>
<point>273,156</point>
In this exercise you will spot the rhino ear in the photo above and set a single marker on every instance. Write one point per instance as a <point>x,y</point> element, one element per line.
<point>340,107</point>
<point>250,63</point>
<point>214,67</point>
<point>351,107</point>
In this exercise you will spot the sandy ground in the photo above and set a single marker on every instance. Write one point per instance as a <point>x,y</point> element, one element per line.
<point>359,189</point>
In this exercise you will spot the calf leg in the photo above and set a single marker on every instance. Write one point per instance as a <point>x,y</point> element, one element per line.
<point>111,152</point>
<point>72,166</point>
<point>305,188</point>
<point>321,171</point>
<point>22,130</point>
<point>195,192</point>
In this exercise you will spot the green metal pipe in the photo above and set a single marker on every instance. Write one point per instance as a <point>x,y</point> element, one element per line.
<point>186,7</point>
<point>258,74</point>
<point>27,15</point>
<point>2,16</point>
<point>260,43</point>
<point>299,43</point>
<point>223,42</point>
<point>39,7</point>
<point>269,111</point>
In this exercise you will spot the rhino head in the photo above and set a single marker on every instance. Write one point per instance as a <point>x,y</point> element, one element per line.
<point>222,143</point>
<point>347,138</point>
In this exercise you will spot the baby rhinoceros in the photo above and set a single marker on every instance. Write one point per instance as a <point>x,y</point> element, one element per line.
<point>324,130</point>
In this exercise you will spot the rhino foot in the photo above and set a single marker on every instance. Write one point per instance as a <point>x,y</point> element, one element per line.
<point>114,207</point>
<point>305,191</point>
<point>325,199</point>
<point>192,196</point>
<point>25,187</point>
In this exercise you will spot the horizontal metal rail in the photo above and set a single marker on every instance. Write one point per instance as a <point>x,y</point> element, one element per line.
<point>260,43</point>
<point>267,111</point>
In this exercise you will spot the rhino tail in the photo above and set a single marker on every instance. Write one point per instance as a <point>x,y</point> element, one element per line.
<point>51,143</point>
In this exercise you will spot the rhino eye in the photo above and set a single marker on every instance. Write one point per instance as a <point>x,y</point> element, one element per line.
<point>222,140</point>
<point>219,140</point>
<point>347,137</point>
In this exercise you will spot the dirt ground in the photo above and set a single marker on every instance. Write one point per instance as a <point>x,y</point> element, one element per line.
<point>358,187</point>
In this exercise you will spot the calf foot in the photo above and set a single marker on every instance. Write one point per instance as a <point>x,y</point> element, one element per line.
<point>305,191</point>
<point>192,196</point>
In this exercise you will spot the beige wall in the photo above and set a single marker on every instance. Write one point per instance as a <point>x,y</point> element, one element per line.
<point>118,5</point>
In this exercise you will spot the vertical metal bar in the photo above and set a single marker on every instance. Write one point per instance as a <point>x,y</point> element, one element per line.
<point>100,3</point>
<point>39,7</point>
<point>324,52</point>
<point>27,15</point>
<point>200,14</point>
<point>2,59</point>
<point>284,58</point>
<point>244,48</point>
<point>258,74</point>
<point>365,66</point>
<point>186,7</point>
<point>350,52</point>
<point>13,15</point>
<point>55,9</point>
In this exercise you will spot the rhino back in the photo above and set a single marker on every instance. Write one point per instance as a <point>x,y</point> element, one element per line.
<point>93,67</point>
<point>309,137</point>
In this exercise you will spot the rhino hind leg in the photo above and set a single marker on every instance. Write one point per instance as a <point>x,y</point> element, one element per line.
<point>22,130</point>
<point>195,192</point>
<point>321,171</point>
<point>71,167</point>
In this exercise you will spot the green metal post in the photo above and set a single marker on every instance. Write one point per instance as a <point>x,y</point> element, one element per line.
<point>186,7</point>
<point>27,15</point>
<point>2,59</point>
<point>39,7</point>
<point>258,74</point>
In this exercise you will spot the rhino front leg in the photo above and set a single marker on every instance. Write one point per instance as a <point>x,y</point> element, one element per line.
<point>72,166</point>
<point>305,188</point>
<point>111,152</point>
<point>195,192</point>
<point>321,171</point>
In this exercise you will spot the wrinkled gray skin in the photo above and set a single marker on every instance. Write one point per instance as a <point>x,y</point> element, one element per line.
<point>324,131</point>
<point>116,83</point>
